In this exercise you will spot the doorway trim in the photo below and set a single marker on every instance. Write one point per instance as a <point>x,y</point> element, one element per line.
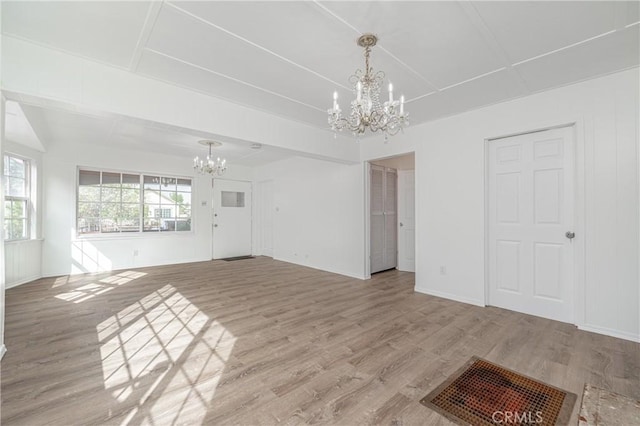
<point>367,220</point>
<point>367,209</point>
<point>577,124</point>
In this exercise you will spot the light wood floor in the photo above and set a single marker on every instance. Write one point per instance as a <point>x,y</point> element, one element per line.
<point>265,342</point>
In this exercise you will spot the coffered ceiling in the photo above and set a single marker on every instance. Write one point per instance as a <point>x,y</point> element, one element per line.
<point>287,58</point>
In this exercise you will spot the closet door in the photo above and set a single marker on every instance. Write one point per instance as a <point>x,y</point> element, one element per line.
<point>377,219</point>
<point>383,234</point>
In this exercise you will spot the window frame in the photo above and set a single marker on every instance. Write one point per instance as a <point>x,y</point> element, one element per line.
<point>27,198</point>
<point>140,233</point>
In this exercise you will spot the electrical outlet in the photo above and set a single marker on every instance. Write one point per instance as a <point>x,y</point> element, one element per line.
<point>443,270</point>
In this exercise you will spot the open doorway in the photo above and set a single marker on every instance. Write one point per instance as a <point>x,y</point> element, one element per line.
<point>391,214</point>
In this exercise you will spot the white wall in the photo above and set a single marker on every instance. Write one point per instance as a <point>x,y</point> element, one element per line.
<point>23,262</point>
<point>2,269</point>
<point>2,281</point>
<point>450,195</point>
<point>319,211</point>
<point>65,253</point>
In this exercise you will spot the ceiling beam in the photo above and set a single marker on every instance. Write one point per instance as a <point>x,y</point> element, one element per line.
<point>46,73</point>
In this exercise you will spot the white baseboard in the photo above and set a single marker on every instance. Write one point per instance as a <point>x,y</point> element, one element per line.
<point>49,274</point>
<point>610,332</point>
<point>450,296</point>
<point>333,271</point>
<point>22,281</point>
<point>3,350</point>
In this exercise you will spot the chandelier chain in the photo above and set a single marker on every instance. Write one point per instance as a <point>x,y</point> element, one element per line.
<point>367,51</point>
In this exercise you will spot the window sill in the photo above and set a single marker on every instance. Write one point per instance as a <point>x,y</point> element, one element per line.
<point>132,236</point>
<point>31,240</point>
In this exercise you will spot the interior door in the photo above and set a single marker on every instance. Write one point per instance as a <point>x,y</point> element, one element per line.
<point>406,221</point>
<point>231,218</point>
<point>530,200</point>
<point>383,234</point>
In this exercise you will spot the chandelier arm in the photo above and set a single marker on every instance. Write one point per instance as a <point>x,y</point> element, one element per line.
<point>367,111</point>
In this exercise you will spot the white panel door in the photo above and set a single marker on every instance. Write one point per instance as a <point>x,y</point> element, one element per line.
<point>406,221</point>
<point>530,198</point>
<point>231,218</point>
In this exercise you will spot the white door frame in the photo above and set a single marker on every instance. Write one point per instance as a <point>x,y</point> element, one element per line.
<point>367,220</point>
<point>367,210</point>
<point>402,184</point>
<point>579,210</point>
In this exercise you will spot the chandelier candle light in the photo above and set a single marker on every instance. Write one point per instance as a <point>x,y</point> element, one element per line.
<point>366,110</point>
<point>213,167</point>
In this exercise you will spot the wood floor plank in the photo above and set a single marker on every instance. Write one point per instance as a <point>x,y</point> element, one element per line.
<point>262,342</point>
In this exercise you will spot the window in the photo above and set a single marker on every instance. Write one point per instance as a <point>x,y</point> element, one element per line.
<point>167,204</point>
<point>17,202</point>
<point>232,199</point>
<point>113,202</point>
<point>164,213</point>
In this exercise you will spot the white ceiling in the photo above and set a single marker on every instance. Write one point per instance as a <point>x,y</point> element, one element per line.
<point>288,57</point>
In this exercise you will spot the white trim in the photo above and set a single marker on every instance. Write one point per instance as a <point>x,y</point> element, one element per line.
<point>22,281</point>
<point>128,234</point>
<point>50,274</point>
<point>610,332</point>
<point>416,215</point>
<point>29,191</point>
<point>323,268</point>
<point>450,296</point>
<point>25,241</point>
<point>3,350</point>
<point>485,194</point>
<point>367,221</point>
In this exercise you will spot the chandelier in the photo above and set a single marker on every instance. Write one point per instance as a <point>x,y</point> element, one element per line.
<point>367,111</point>
<point>213,167</point>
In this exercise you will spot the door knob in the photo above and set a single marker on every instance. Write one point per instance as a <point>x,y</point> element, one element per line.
<point>570,235</point>
<point>401,225</point>
<point>215,225</point>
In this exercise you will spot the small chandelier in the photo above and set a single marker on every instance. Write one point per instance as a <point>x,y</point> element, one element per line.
<point>213,167</point>
<point>366,110</point>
